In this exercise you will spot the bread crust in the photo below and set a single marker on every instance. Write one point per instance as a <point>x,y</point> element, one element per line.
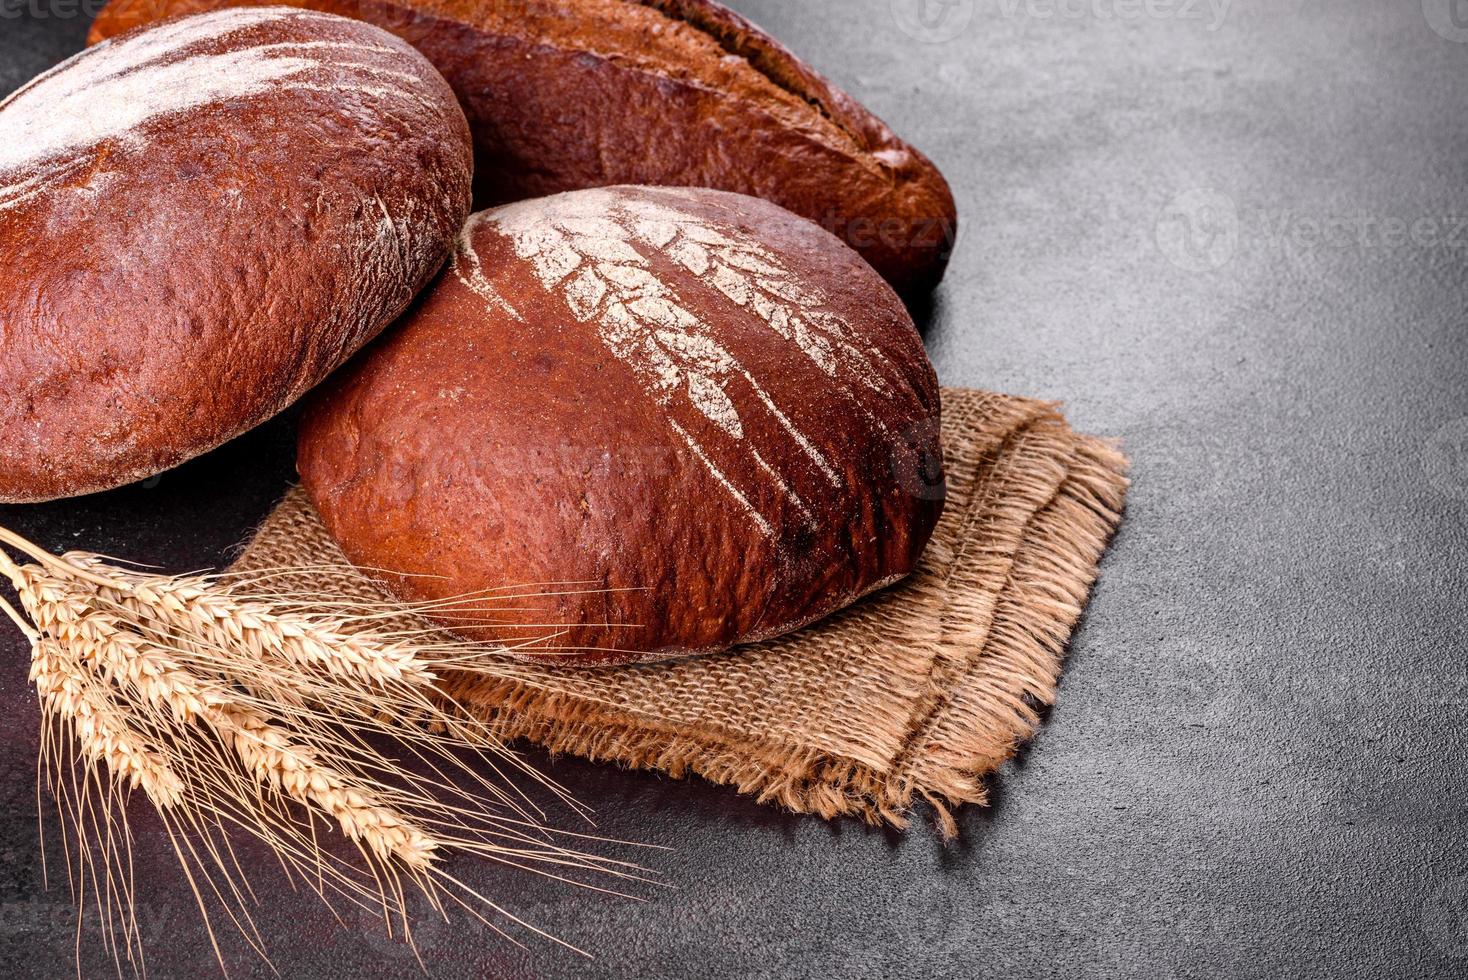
<point>589,93</point>
<point>200,221</point>
<point>704,417</point>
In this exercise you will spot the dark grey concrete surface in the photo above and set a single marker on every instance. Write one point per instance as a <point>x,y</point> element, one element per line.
<point>1233,235</point>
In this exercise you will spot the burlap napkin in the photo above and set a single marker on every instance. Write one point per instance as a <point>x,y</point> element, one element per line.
<point>916,693</point>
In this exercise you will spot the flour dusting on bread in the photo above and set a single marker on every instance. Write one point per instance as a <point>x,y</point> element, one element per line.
<point>256,193</point>
<point>470,271</point>
<point>591,248</point>
<point>116,91</point>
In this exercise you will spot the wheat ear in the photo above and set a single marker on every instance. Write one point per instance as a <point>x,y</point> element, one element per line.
<point>103,731</point>
<point>236,712</point>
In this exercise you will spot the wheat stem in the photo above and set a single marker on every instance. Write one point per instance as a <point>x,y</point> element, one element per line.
<point>240,712</point>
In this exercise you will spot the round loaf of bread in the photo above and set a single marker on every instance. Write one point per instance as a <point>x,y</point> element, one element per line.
<point>200,221</point>
<point>635,423</point>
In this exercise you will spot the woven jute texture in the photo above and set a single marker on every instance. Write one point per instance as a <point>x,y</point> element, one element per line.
<point>916,693</point>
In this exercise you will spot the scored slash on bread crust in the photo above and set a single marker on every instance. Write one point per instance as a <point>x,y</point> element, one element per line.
<point>588,246</point>
<point>591,93</point>
<point>201,220</point>
<point>704,420</point>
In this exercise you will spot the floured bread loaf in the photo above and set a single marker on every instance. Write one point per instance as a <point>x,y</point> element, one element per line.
<point>199,222</point>
<point>659,421</point>
<point>587,93</point>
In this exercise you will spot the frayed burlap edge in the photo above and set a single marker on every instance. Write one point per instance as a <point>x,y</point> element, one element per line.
<point>975,721</point>
<point>1004,583</point>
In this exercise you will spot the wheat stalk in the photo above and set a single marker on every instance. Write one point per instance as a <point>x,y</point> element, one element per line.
<point>132,662</point>
<point>241,712</point>
<point>312,644</point>
<point>103,731</point>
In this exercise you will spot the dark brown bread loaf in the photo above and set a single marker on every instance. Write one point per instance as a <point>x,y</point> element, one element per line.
<point>200,221</point>
<point>705,410</point>
<point>586,93</point>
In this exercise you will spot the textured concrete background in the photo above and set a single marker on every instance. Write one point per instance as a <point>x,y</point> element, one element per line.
<point>1233,235</point>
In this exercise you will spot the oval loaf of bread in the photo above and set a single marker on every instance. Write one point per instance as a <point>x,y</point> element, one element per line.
<point>200,221</point>
<point>586,93</point>
<point>658,421</point>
